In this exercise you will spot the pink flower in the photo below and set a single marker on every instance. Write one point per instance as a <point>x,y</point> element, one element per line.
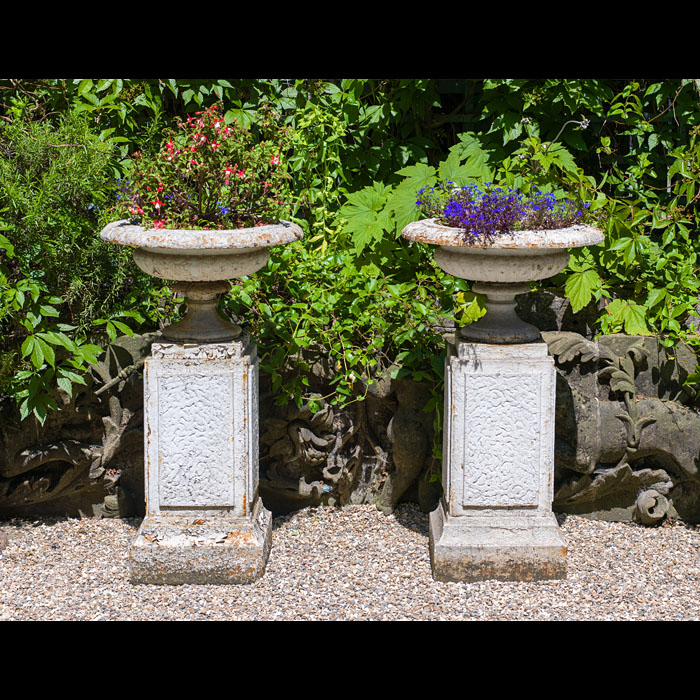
<point>275,160</point>
<point>159,224</point>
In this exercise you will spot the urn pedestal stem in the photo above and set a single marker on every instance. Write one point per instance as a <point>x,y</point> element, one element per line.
<point>202,323</point>
<point>500,324</point>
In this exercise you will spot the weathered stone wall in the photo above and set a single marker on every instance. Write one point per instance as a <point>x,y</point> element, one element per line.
<point>627,436</point>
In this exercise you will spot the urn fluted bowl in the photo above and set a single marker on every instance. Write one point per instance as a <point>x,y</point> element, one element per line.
<point>201,262</point>
<point>502,268</point>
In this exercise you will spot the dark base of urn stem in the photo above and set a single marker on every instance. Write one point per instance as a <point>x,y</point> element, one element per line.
<point>202,323</point>
<point>500,325</point>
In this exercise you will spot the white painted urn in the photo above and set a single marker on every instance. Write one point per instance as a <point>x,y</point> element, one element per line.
<point>501,268</point>
<point>199,263</point>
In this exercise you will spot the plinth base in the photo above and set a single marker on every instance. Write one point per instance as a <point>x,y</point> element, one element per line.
<point>496,546</point>
<point>220,549</point>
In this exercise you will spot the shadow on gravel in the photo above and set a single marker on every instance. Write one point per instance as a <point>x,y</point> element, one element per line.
<point>410,517</point>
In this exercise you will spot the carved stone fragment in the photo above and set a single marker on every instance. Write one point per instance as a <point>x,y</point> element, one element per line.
<point>623,422</point>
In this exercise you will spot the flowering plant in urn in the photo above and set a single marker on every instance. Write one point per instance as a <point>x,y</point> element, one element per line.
<point>204,209</point>
<point>211,173</point>
<point>501,239</point>
<point>482,214</point>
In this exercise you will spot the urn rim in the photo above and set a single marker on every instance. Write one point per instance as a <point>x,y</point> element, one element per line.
<point>576,236</point>
<point>124,233</point>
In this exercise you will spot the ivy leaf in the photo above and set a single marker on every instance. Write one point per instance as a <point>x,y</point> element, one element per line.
<point>366,219</point>
<point>579,288</point>
<point>629,315</point>
<point>451,170</point>
<point>475,158</point>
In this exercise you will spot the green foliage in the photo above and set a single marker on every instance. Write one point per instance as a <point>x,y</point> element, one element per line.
<point>55,275</point>
<point>353,290</point>
<point>364,314</point>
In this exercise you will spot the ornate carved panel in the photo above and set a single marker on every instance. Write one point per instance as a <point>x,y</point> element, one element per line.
<point>502,440</point>
<point>195,449</point>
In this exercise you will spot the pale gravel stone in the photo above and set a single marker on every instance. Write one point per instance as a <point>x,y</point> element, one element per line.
<point>352,563</point>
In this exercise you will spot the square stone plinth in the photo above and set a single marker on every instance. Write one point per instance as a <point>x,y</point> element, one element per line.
<point>205,522</point>
<point>495,519</point>
<point>498,546</point>
<point>201,549</point>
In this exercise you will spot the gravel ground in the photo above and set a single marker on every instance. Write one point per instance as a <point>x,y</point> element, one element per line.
<point>350,564</point>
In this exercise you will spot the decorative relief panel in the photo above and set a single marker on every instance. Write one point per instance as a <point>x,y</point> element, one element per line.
<point>502,414</point>
<point>195,450</point>
<point>196,351</point>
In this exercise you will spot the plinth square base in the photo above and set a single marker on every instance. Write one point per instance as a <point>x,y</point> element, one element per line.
<point>207,549</point>
<point>496,546</point>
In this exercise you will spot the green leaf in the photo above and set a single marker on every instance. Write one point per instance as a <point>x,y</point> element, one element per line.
<point>123,328</point>
<point>474,156</point>
<point>28,346</point>
<point>561,157</point>
<point>451,170</point>
<point>6,245</point>
<point>656,296</point>
<point>111,331</point>
<point>37,356</point>
<point>470,307</point>
<point>72,376</point>
<point>635,320</point>
<point>579,288</point>
<point>47,351</point>
<point>629,315</point>
<point>420,175</point>
<point>402,201</point>
<point>66,385</point>
<point>365,217</point>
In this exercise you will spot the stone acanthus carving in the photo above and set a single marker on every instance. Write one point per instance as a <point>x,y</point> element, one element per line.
<point>68,464</point>
<point>311,457</point>
<point>373,451</point>
<point>633,455</point>
<point>620,371</point>
<point>410,434</point>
